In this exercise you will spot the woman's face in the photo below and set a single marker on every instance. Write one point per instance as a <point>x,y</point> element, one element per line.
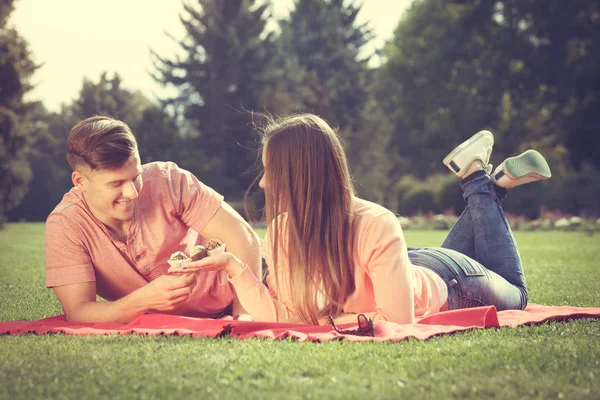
<point>262,183</point>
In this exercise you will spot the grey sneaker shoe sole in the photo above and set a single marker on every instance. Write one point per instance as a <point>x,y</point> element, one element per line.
<point>530,162</point>
<point>528,167</point>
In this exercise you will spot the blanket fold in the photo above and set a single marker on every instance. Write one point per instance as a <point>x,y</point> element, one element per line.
<point>433,325</point>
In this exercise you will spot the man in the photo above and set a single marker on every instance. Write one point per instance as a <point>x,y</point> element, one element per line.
<point>113,232</point>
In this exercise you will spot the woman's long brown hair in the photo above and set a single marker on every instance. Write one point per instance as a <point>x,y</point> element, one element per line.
<point>308,178</point>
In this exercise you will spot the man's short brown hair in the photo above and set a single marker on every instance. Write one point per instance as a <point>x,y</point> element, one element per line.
<point>100,143</point>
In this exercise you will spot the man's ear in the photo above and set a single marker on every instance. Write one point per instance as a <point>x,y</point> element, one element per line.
<point>78,179</point>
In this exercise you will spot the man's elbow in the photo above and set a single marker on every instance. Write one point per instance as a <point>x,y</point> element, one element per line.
<point>254,238</point>
<point>78,313</point>
<point>251,236</point>
<point>75,316</point>
<point>254,245</point>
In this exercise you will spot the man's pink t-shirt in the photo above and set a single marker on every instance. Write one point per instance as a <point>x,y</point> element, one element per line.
<point>171,209</point>
<point>388,286</point>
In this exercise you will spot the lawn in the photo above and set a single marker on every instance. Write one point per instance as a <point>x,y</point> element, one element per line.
<point>555,360</point>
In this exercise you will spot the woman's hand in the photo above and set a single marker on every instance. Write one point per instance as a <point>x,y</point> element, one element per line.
<point>220,262</point>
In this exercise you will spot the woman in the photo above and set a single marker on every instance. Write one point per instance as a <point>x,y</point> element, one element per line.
<point>330,253</point>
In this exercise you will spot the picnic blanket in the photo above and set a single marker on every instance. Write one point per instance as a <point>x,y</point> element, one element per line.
<point>442,323</point>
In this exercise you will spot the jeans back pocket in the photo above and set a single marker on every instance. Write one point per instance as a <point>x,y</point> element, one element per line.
<point>470,267</point>
<point>455,259</point>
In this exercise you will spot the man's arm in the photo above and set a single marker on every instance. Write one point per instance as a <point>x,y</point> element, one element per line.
<point>240,239</point>
<point>162,294</point>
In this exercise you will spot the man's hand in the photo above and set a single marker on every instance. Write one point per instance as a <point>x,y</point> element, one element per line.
<point>168,291</point>
<point>162,294</point>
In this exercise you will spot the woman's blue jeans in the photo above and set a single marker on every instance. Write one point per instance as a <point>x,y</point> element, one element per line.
<point>479,260</point>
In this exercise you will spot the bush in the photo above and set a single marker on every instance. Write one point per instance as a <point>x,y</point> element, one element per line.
<point>527,200</point>
<point>572,194</point>
<point>438,193</point>
<point>449,195</point>
<point>577,193</point>
<point>414,196</point>
<point>549,220</point>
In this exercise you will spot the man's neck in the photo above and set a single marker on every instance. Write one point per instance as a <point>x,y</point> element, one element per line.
<point>120,229</point>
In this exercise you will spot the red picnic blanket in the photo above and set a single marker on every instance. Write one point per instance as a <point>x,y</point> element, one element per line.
<point>437,324</point>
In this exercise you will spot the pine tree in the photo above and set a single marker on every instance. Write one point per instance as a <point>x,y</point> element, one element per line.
<point>321,46</point>
<point>16,68</point>
<point>326,72</point>
<point>156,131</point>
<point>109,97</point>
<point>224,74</point>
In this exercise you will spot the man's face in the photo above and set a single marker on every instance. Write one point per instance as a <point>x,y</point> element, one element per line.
<point>111,194</point>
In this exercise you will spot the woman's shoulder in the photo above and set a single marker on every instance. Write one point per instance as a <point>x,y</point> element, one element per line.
<point>372,217</point>
<point>367,210</point>
<point>375,227</point>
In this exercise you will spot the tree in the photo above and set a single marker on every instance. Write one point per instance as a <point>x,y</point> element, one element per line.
<point>109,97</point>
<point>224,74</point>
<point>16,68</point>
<point>156,131</point>
<point>446,80</point>
<point>561,46</point>
<point>157,134</point>
<point>158,137</point>
<point>326,72</point>
<point>51,174</point>
<point>523,69</point>
<point>321,46</point>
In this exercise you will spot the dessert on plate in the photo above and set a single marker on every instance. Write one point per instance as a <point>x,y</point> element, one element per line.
<point>178,259</point>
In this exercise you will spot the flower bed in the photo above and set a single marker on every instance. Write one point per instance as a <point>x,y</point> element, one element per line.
<point>548,220</point>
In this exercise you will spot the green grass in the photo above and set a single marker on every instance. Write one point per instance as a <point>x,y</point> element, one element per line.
<point>555,360</point>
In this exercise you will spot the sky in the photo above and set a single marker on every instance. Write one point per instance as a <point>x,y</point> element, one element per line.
<point>77,39</point>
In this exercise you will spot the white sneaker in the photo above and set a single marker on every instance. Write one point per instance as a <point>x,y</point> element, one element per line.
<point>476,148</point>
<point>528,167</point>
